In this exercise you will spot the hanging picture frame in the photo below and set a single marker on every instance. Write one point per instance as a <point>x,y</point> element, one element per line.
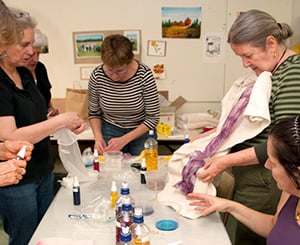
<point>87,44</point>
<point>85,72</point>
<point>156,48</point>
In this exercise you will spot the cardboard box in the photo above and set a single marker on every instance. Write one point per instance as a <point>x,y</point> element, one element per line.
<point>167,113</point>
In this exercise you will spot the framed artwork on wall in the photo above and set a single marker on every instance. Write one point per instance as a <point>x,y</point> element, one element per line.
<point>87,47</point>
<point>87,44</point>
<point>156,48</point>
<point>85,72</point>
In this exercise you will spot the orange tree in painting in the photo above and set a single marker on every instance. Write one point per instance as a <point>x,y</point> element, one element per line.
<point>181,29</point>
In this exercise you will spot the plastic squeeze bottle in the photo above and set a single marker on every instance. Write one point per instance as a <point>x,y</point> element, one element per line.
<point>140,232</point>
<point>143,170</point>
<point>96,161</point>
<point>151,151</point>
<point>76,191</point>
<point>113,194</point>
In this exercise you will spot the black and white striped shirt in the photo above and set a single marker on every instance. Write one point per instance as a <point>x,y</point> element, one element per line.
<point>124,104</point>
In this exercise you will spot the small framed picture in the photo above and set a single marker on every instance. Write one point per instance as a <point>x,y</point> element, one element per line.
<point>87,47</point>
<point>85,72</point>
<point>157,48</point>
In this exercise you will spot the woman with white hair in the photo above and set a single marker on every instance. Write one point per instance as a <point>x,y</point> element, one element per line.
<point>39,71</point>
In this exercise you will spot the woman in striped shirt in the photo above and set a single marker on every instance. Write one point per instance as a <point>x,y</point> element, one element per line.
<point>123,99</point>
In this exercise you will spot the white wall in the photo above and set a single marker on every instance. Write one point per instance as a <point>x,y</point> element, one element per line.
<point>202,84</point>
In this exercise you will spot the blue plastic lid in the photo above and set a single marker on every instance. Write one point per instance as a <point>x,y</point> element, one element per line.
<point>166,225</point>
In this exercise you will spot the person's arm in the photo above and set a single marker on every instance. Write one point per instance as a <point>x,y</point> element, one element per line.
<point>100,144</point>
<point>38,131</point>
<point>258,222</point>
<point>216,165</point>
<point>52,111</point>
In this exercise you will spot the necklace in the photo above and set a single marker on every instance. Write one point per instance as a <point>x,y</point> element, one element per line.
<point>297,214</point>
<point>274,69</point>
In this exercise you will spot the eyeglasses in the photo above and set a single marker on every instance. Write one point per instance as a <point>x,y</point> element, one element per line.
<point>118,72</point>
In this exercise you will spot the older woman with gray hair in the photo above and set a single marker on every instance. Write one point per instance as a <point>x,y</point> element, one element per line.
<point>39,71</point>
<point>259,40</point>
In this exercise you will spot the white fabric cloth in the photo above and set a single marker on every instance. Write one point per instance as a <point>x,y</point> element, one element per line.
<point>255,119</point>
<point>196,120</point>
<point>70,155</point>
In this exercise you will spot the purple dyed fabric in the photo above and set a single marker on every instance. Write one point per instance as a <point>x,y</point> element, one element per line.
<point>197,158</point>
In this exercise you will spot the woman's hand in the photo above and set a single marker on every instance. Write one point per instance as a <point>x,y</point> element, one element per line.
<point>72,121</point>
<point>208,203</point>
<point>212,168</point>
<point>115,144</point>
<point>10,148</point>
<point>11,172</point>
<point>100,146</point>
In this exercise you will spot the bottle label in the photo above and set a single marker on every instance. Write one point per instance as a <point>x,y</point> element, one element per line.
<point>151,159</point>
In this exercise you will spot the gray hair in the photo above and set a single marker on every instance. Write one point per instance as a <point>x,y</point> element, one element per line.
<point>23,18</point>
<point>254,26</point>
<point>40,39</point>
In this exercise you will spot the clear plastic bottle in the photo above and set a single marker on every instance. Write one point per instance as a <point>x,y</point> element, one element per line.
<point>124,195</point>
<point>125,218</point>
<point>113,194</point>
<point>125,238</point>
<point>140,232</point>
<point>151,151</point>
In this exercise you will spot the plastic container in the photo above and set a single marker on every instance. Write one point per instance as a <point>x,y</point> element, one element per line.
<point>151,152</point>
<point>145,200</point>
<point>140,232</point>
<point>113,159</point>
<point>156,179</point>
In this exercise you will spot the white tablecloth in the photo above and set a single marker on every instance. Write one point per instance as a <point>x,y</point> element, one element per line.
<point>205,230</point>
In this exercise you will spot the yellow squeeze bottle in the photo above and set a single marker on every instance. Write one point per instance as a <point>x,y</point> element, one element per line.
<point>113,194</point>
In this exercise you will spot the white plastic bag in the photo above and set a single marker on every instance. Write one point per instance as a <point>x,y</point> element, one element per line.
<point>70,155</point>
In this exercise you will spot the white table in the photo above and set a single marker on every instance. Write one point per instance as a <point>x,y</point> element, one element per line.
<point>205,230</point>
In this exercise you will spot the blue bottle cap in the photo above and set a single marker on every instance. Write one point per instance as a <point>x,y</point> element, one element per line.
<point>166,225</point>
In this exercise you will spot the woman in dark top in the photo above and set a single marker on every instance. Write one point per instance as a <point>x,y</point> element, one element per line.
<point>284,163</point>
<point>23,116</point>
<point>39,71</point>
